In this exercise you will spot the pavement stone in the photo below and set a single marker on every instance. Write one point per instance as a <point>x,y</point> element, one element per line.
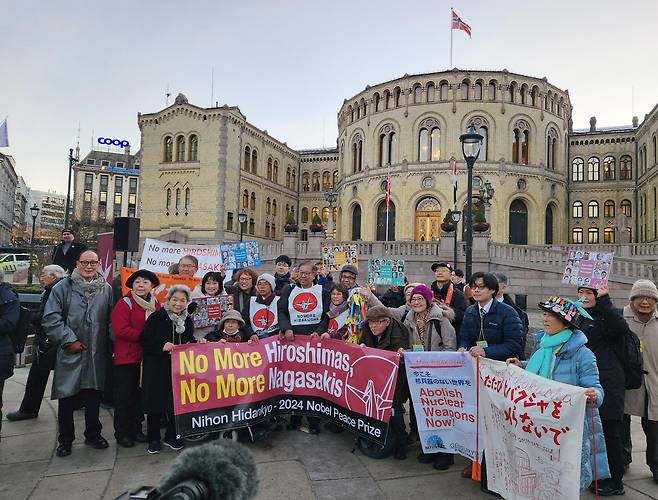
<point>77,486</point>
<point>363,488</point>
<point>284,479</point>
<point>18,480</point>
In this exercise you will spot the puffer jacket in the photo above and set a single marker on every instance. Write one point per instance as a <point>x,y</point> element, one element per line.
<point>576,365</point>
<point>439,333</point>
<point>502,330</point>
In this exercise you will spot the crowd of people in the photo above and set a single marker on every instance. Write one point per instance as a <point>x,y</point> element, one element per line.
<point>81,333</point>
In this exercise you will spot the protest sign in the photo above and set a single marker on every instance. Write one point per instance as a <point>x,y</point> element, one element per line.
<point>158,256</point>
<point>336,256</point>
<point>240,255</point>
<point>383,271</point>
<point>442,389</point>
<point>166,282</point>
<point>220,386</point>
<point>534,432</point>
<point>590,269</point>
<point>209,310</point>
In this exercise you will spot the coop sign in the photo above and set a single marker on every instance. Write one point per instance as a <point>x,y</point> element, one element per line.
<point>113,142</point>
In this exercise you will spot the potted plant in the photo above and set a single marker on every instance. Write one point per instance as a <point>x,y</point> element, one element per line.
<point>291,224</point>
<point>480,223</point>
<point>316,224</point>
<point>448,225</point>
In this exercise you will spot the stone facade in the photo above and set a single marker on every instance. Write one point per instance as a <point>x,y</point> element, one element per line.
<point>8,183</point>
<point>201,167</point>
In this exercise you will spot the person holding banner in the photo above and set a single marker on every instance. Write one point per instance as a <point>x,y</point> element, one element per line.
<point>302,310</point>
<point>169,326</point>
<point>339,310</point>
<point>562,356</point>
<point>429,330</point>
<point>383,331</point>
<point>128,318</point>
<point>263,315</point>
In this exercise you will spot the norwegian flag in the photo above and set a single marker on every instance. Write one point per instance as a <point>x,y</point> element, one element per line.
<point>453,172</point>
<point>458,24</point>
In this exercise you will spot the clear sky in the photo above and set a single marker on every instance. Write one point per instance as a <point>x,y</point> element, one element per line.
<point>288,64</point>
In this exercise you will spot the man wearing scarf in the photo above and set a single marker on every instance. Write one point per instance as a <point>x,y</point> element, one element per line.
<point>76,319</point>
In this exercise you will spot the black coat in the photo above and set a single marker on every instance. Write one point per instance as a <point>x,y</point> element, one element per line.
<point>36,318</point>
<point>605,334</point>
<point>9,314</point>
<point>393,298</point>
<point>395,337</point>
<point>523,316</point>
<point>458,302</point>
<point>156,371</point>
<point>68,260</point>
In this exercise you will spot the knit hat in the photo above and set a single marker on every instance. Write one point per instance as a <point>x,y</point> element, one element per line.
<point>411,285</point>
<point>231,314</point>
<point>425,292</point>
<point>143,273</point>
<point>566,309</point>
<point>269,278</point>
<point>644,288</point>
<point>349,268</point>
<point>378,312</point>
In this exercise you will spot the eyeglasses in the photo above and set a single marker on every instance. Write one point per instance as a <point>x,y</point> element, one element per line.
<point>417,299</point>
<point>87,263</point>
<point>478,286</point>
<point>186,266</point>
<point>245,278</point>
<point>302,273</point>
<point>378,321</point>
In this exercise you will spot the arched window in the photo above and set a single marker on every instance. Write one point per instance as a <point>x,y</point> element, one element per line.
<point>254,161</point>
<point>326,181</point>
<point>387,99</point>
<point>252,201</point>
<point>478,90</point>
<point>443,91</point>
<point>245,199</point>
<point>269,168</point>
<point>577,170</point>
<point>577,235</point>
<point>273,207</point>
<point>363,107</point>
<point>551,148</point>
<point>275,172</point>
<point>377,100</point>
<point>315,211</point>
<point>357,110</point>
<point>177,199</point>
<point>593,169</point>
<point>609,235</point>
<point>418,94</point>
<point>168,150</point>
<point>356,223</point>
<point>625,208</point>
<point>357,153</point>
<point>168,201</point>
<point>655,149</point>
<point>523,93</point>
<point>180,148</point>
<point>397,93</point>
<point>188,198</point>
<point>315,181</point>
<point>288,178</point>
<point>609,168</point>
<point>431,93</point>
<point>518,222</point>
<point>429,142</point>
<point>609,208</point>
<point>247,158</point>
<point>387,146</point>
<point>593,235</point>
<point>464,90</point>
<point>577,210</point>
<point>492,90</point>
<point>593,209</point>
<point>511,92</point>
<point>304,215</point>
<point>268,206</point>
<point>293,180</point>
<point>382,219</point>
<point>520,146</point>
<point>306,182</point>
<point>625,168</point>
<point>534,96</point>
<point>484,132</point>
<point>325,215</point>
<point>334,179</point>
<point>350,112</point>
<point>194,148</point>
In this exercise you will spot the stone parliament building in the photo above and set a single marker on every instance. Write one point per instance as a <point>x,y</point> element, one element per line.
<point>553,185</point>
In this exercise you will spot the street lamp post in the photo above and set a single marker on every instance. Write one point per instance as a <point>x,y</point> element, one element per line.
<point>72,161</point>
<point>242,220</point>
<point>471,144</point>
<point>331,196</point>
<point>455,215</point>
<point>34,212</point>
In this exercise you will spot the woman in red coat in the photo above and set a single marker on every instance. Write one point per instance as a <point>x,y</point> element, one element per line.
<point>128,318</point>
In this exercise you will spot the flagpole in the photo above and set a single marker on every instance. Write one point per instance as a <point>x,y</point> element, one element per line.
<point>450,67</point>
<point>388,195</point>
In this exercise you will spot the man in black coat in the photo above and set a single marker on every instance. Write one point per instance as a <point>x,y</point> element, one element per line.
<point>46,353</point>
<point>605,337</point>
<point>9,314</point>
<point>505,298</point>
<point>447,295</point>
<point>66,254</point>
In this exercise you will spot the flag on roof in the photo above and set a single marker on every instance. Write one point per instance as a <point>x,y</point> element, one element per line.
<point>458,24</point>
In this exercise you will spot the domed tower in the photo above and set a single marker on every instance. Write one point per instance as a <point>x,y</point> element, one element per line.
<point>410,128</point>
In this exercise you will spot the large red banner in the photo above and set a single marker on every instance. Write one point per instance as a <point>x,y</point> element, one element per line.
<point>228,385</point>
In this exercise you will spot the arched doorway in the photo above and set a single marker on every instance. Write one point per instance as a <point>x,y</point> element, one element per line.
<point>518,223</point>
<point>356,223</point>
<point>381,221</point>
<point>428,219</point>
<point>549,225</point>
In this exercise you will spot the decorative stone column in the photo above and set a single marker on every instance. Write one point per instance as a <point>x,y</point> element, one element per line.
<point>314,245</point>
<point>289,244</point>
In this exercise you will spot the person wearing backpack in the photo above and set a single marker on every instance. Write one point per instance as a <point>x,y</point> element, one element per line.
<point>642,318</point>
<point>9,313</point>
<point>606,332</point>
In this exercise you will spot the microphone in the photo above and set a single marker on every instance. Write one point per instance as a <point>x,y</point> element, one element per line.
<point>220,470</point>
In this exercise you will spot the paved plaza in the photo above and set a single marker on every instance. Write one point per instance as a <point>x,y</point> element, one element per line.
<point>291,465</point>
